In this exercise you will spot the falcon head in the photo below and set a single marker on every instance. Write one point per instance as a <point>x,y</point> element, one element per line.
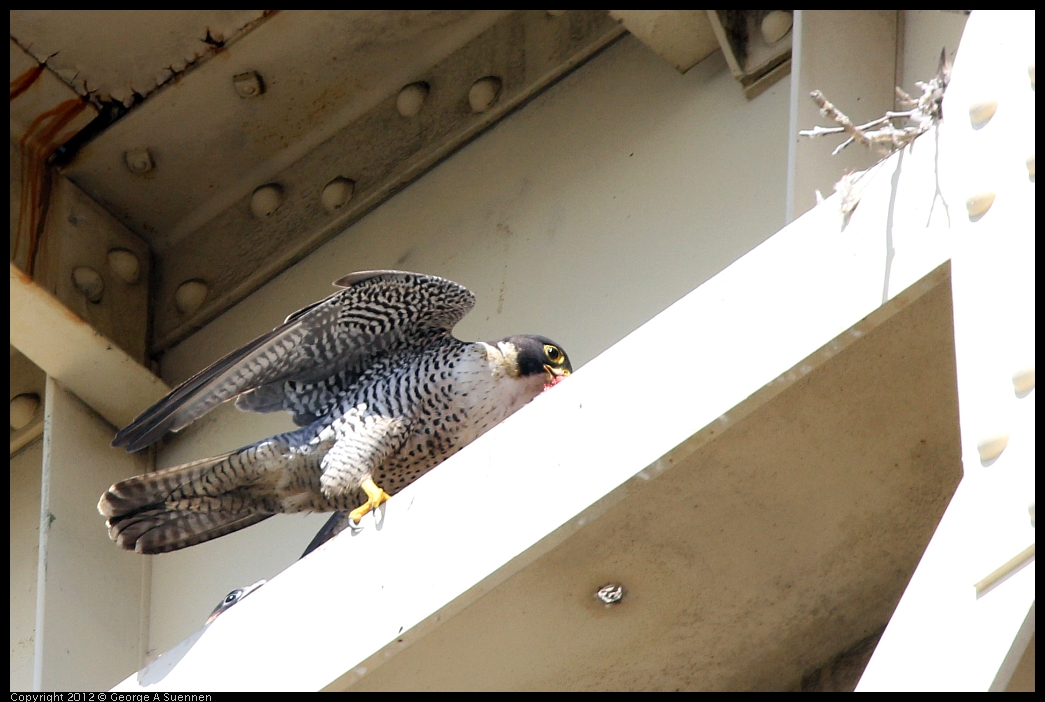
<point>232,598</point>
<point>539,356</point>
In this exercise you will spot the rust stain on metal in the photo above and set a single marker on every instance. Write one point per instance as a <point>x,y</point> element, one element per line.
<point>20,84</point>
<point>41,139</point>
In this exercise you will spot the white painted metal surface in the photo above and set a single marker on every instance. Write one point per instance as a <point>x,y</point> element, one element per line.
<point>88,621</point>
<point>302,99</point>
<point>25,544</point>
<point>968,614</point>
<point>338,62</point>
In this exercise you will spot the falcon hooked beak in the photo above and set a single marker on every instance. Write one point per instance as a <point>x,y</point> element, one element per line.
<point>556,365</point>
<point>556,374</point>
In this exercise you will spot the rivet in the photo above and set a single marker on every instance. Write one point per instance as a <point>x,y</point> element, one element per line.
<point>89,282</point>
<point>337,193</point>
<point>1030,72</point>
<point>23,409</point>
<point>555,13</point>
<point>1030,166</point>
<point>978,204</point>
<point>411,98</point>
<point>776,25</point>
<point>610,594</point>
<point>248,85</point>
<point>124,264</point>
<point>1023,380</point>
<point>483,93</point>
<point>991,447</point>
<point>266,200</point>
<point>139,161</point>
<point>190,295</point>
<point>980,113</point>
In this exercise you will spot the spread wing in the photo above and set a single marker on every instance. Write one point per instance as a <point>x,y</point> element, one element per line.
<point>300,365</point>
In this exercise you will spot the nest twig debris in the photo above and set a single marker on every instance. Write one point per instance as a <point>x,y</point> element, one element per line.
<point>881,133</point>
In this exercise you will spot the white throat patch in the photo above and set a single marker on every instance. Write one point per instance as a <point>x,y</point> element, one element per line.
<point>503,358</point>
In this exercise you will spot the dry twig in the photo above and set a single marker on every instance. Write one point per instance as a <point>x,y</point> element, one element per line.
<point>881,133</point>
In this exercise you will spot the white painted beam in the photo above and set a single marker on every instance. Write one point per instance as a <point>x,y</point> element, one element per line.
<point>968,614</point>
<point>88,596</point>
<point>67,348</point>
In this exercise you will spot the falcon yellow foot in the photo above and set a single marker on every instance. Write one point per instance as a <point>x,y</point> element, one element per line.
<point>375,497</point>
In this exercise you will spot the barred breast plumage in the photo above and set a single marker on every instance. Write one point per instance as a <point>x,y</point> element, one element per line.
<point>383,393</point>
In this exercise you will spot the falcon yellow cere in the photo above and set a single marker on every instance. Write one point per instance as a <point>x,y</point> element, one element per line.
<point>380,389</point>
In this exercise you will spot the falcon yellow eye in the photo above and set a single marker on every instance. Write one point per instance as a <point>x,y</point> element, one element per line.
<point>554,354</point>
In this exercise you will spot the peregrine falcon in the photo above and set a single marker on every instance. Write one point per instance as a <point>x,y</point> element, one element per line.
<point>382,393</point>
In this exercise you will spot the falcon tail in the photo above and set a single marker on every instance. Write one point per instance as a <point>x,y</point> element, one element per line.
<point>161,531</point>
<point>199,501</point>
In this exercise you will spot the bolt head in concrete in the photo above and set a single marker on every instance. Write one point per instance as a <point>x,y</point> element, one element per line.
<point>610,594</point>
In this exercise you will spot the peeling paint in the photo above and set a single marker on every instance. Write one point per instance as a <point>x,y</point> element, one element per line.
<point>119,82</point>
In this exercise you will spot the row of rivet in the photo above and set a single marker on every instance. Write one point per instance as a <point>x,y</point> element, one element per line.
<point>977,205</point>
<point>266,199</point>
<point>122,262</point>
